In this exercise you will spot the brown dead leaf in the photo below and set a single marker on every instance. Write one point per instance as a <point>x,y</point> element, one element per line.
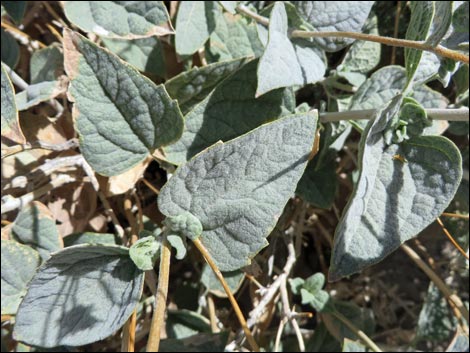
<point>120,184</point>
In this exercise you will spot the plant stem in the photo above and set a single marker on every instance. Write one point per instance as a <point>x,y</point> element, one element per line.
<point>451,297</point>
<point>202,249</point>
<point>394,42</point>
<point>455,215</point>
<point>128,336</point>
<point>359,333</point>
<point>67,145</point>
<point>460,114</point>
<point>451,238</point>
<point>160,298</point>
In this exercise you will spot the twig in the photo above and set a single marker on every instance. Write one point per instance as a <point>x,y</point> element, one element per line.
<point>460,114</point>
<point>395,31</point>
<point>212,315</point>
<point>451,238</point>
<point>158,318</point>
<point>277,341</point>
<point>439,50</point>
<point>21,36</point>
<point>202,249</point>
<point>67,145</point>
<point>150,186</point>
<point>451,297</point>
<point>455,215</point>
<point>359,333</point>
<point>290,315</point>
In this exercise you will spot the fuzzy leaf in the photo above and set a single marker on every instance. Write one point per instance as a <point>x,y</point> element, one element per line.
<point>229,111</point>
<point>394,198</point>
<point>89,238</point>
<point>35,226</point>
<point>441,22</point>
<point>230,6</point>
<point>195,22</point>
<point>19,264</point>
<point>145,252</point>
<point>121,116</point>
<point>40,92</point>
<point>238,189</point>
<point>11,129</point>
<point>347,16</point>
<point>82,294</point>
<point>119,19</point>
<point>282,65</point>
<point>192,86</point>
<point>211,282</point>
<point>46,64</point>
<point>10,49</point>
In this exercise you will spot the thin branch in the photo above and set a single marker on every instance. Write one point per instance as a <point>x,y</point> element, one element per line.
<point>202,249</point>
<point>290,315</point>
<point>451,238</point>
<point>455,215</point>
<point>460,114</point>
<point>128,335</point>
<point>212,315</point>
<point>158,318</point>
<point>439,50</point>
<point>451,297</point>
<point>67,145</point>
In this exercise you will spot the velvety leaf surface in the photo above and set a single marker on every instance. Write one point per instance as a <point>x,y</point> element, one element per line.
<point>35,226</point>
<point>229,111</point>
<point>394,198</point>
<point>10,49</point>
<point>10,123</point>
<point>40,92</point>
<point>46,64</point>
<point>89,238</point>
<point>211,282</point>
<point>80,295</point>
<point>230,6</point>
<point>238,189</point>
<point>19,264</point>
<point>192,86</point>
<point>119,19</point>
<point>121,116</point>
<point>334,16</point>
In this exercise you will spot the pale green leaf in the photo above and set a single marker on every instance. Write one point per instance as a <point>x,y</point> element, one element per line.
<point>192,86</point>
<point>10,124</point>
<point>185,323</point>
<point>145,54</point>
<point>282,65</point>
<point>145,252</point>
<point>233,38</point>
<point>10,49</point>
<point>82,294</point>
<point>195,22</point>
<point>353,346</point>
<point>40,92</point>
<point>89,238</point>
<point>178,243</point>
<point>46,64</point>
<point>120,19</point>
<point>422,13</point>
<point>441,22</point>
<point>230,6</point>
<point>35,226</point>
<point>120,115</point>
<point>234,280</point>
<point>229,111</point>
<point>15,9</point>
<point>238,189</point>
<point>19,264</point>
<point>459,343</point>
<point>311,291</point>
<point>328,16</point>
<point>395,198</point>
<point>428,68</point>
<point>185,224</point>
<point>460,18</point>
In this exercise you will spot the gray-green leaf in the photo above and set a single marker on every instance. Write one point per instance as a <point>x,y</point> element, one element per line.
<point>211,282</point>
<point>282,65</point>
<point>10,123</point>
<point>120,19</point>
<point>121,116</point>
<point>144,252</point>
<point>46,64</point>
<point>15,9</point>
<point>40,92</point>
<point>328,16</point>
<point>195,22</point>
<point>80,295</point>
<point>89,238</point>
<point>229,111</point>
<point>35,226</point>
<point>10,49</point>
<point>19,264</point>
<point>238,189</point>
<point>400,191</point>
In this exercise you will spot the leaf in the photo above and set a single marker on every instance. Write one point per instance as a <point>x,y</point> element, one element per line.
<point>192,86</point>
<point>82,294</point>
<point>233,38</point>
<point>211,282</point>
<point>40,92</point>
<point>89,238</point>
<point>195,22</point>
<point>459,343</point>
<point>19,264</point>
<point>311,292</point>
<point>238,189</point>
<point>133,116</point>
<point>11,129</point>
<point>441,22</point>
<point>422,13</point>
<point>145,252</point>
<point>185,323</point>
<point>229,111</point>
<point>203,342</point>
<point>120,19</point>
<point>353,346</point>
<point>10,49</point>
<point>435,318</point>
<point>145,54</point>
<point>282,65</point>
<point>333,16</point>
<point>229,6</point>
<point>15,9</point>
<point>395,198</point>
<point>46,64</point>
<point>35,226</point>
